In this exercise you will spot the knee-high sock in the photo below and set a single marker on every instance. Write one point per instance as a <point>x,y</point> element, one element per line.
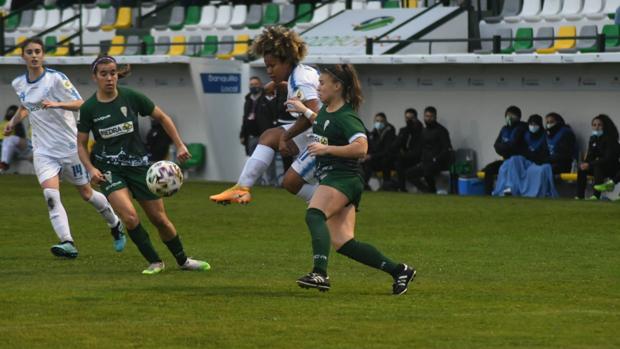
<point>369,255</point>
<point>140,237</point>
<point>101,204</point>
<point>316,221</point>
<point>256,165</point>
<point>176,248</point>
<point>306,191</point>
<point>58,215</point>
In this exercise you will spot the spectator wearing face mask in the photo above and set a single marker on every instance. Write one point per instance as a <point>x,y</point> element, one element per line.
<point>535,141</point>
<point>601,160</point>
<point>436,154</point>
<point>509,143</point>
<point>252,125</point>
<point>380,157</point>
<point>407,146</point>
<point>561,143</point>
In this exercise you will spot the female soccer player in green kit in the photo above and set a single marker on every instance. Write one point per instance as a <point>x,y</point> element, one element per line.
<point>339,142</point>
<point>120,160</point>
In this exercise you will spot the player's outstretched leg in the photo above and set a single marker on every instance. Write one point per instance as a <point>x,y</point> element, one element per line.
<point>101,204</point>
<point>60,222</point>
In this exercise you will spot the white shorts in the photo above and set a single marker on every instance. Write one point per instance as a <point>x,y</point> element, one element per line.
<point>305,163</point>
<point>69,168</point>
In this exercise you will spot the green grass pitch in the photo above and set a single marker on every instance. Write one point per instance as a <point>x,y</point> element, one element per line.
<point>492,273</point>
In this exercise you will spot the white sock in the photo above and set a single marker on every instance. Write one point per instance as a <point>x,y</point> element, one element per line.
<point>58,215</point>
<point>306,191</point>
<point>101,204</point>
<point>256,165</point>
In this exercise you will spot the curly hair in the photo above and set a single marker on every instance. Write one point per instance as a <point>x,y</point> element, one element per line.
<point>282,43</point>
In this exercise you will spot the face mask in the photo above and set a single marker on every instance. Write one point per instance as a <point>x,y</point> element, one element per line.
<point>534,128</point>
<point>597,133</point>
<point>379,125</point>
<point>255,90</point>
<point>508,120</point>
<point>550,125</point>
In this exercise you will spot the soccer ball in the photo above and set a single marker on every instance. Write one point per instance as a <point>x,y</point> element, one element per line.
<point>164,178</point>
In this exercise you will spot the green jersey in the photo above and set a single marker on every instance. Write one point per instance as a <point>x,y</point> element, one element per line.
<point>338,128</point>
<point>115,127</point>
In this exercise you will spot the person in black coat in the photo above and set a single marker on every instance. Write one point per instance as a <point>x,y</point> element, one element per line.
<point>380,157</point>
<point>436,156</point>
<point>535,141</point>
<point>407,146</point>
<point>157,142</point>
<point>601,160</point>
<point>258,115</point>
<point>561,143</point>
<point>509,142</point>
<point>14,143</point>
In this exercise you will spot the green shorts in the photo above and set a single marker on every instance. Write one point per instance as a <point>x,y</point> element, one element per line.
<point>351,185</point>
<point>132,178</point>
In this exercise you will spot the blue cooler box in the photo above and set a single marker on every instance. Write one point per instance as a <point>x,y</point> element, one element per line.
<point>471,186</point>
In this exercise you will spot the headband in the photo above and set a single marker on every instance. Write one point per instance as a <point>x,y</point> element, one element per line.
<point>334,75</point>
<point>102,59</point>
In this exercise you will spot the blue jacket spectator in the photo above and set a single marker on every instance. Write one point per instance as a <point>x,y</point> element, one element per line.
<point>535,141</point>
<point>561,143</point>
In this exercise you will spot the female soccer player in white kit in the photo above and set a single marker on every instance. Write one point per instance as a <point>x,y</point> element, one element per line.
<point>49,98</point>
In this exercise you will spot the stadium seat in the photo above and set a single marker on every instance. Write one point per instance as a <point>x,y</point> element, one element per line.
<point>49,4</point>
<point>584,45</point>
<point>104,4</point>
<point>560,44</point>
<point>505,46</point>
<point>194,46</point>
<point>410,3</point>
<point>149,44</point>
<point>543,32</point>
<point>240,49</point>
<point>391,4</point>
<point>209,49</point>
<point>26,20</point>
<point>207,17</point>
<point>592,8</point>
<point>523,39</point>
<point>75,24</point>
<point>304,14</point>
<point>570,9</point>
<point>511,8</point>
<point>287,15</point>
<point>39,18</point>
<point>11,23</point>
<point>617,16</point>
<point>163,45</point>
<point>550,8</point>
<point>239,16</point>
<point>224,13</point>
<point>610,7</point>
<point>192,18</point>
<point>117,50</point>
<point>530,8</point>
<point>336,7</point>
<point>17,41</point>
<point>8,43</point>
<point>612,42</point>
<point>225,46</point>
<point>133,46</point>
<point>198,153</point>
<point>62,50</point>
<point>319,15</point>
<point>255,16</point>
<point>123,18</point>
<point>272,14</point>
<point>50,45</point>
<point>109,19</point>
<point>360,4</point>
<point>52,18</point>
<point>373,5</point>
<point>177,18</point>
<point>178,47</point>
<point>95,15</point>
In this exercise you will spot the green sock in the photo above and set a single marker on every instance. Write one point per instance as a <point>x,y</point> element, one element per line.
<point>315,219</point>
<point>369,255</point>
<point>140,237</point>
<point>175,246</point>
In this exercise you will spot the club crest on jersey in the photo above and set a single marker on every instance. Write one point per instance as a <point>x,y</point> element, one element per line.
<point>299,94</point>
<point>116,130</point>
<point>67,84</point>
<point>325,125</point>
<point>124,110</point>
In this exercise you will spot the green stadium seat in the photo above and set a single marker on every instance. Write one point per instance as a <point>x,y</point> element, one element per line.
<point>198,153</point>
<point>192,17</point>
<point>391,4</point>
<point>210,46</point>
<point>523,39</point>
<point>272,15</point>
<point>612,31</point>
<point>304,13</point>
<point>11,23</point>
<point>149,42</point>
<point>50,45</point>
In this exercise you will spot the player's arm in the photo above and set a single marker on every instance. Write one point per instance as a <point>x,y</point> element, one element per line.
<point>19,116</point>
<point>82,146</point>
<point>309,110</point>
<point>73,105</point>
<point>166,122</point>
<point>354,150</point>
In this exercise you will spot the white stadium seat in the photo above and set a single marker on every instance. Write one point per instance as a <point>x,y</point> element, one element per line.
<point>336,7</point>
<point>95,17</point>
<point>591,7</point>
<point>530,8</point>
<point>53,18</point>
<point>610,6</point>
<point>571,9</point>
<point>38,23</point>
<point>373,5</point>
<point>207,17</point>
<point>357,5</point>
<point>224,12</point>
<point>550,8</point>
<point>239,15</point>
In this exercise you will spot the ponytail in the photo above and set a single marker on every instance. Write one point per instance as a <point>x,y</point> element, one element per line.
<point>351,85</point>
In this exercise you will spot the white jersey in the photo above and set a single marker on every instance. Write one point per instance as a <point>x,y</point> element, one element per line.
<point>303,84</point>
<point>54,131</point>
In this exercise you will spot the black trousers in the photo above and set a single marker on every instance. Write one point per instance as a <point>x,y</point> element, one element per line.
<point>402,165</point>
<point>383,164</point>
<point>490,172</point>
<point>600,172</point>
<point>427,171</point>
